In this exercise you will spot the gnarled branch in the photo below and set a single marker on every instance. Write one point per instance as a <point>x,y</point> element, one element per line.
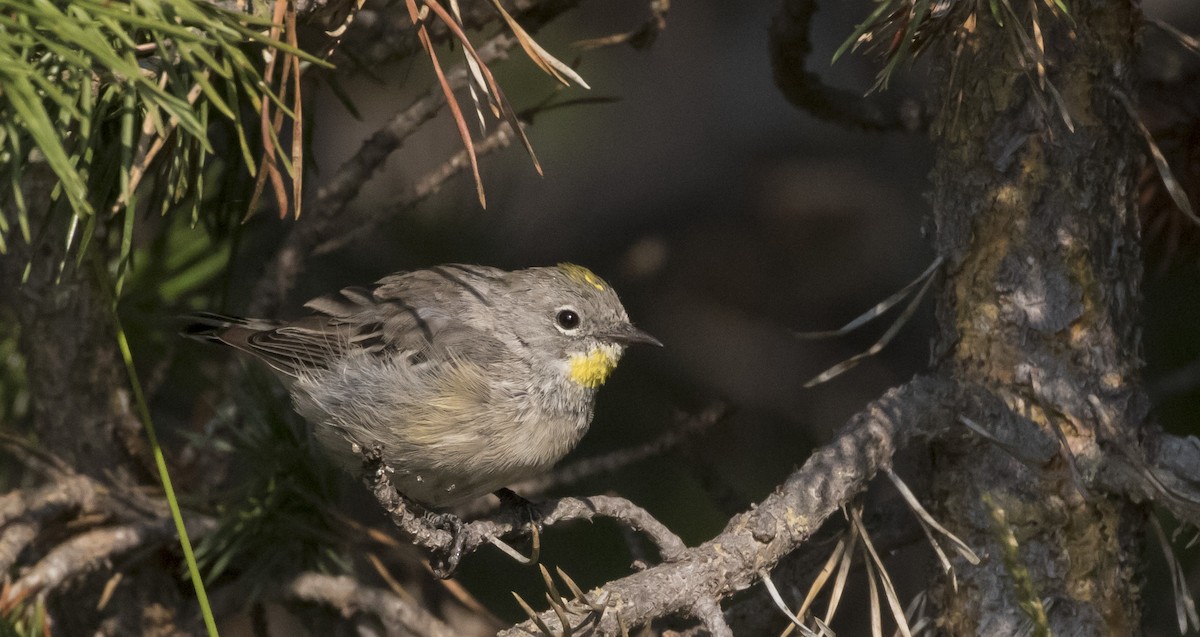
<point>759,538</point>
<point>348,595</point>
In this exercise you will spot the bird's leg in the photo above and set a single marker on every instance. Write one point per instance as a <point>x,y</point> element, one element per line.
<point>513,500</point>
<point>445,563</point>
<point>402,508</point>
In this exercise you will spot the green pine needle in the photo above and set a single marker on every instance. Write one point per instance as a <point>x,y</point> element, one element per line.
<point>73,73</point>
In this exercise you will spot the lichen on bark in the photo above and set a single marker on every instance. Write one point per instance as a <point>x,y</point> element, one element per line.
<point>1036,218</point>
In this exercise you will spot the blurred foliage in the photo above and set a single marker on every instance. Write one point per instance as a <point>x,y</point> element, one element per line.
<point>14,397</point>
<point>118,98</point>
<point>178,270</point>
<point>278,516</point>
<point>28,620</point>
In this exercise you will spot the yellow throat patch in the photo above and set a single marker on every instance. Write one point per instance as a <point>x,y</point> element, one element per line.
<point>593,368</point>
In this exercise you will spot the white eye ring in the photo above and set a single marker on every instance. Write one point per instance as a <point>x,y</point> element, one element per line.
<point>567,319</point>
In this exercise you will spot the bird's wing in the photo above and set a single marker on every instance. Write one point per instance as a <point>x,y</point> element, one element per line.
<point>410,316</point>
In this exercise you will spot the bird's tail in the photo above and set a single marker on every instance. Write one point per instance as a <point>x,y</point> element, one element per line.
<point>221,328</point>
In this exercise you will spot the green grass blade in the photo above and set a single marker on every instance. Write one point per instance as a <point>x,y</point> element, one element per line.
<point>160,462</point>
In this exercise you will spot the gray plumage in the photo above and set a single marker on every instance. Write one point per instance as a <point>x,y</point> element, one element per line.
<point>466,378</point>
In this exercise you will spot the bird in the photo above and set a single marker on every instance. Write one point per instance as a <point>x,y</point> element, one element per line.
<point>462,378</point>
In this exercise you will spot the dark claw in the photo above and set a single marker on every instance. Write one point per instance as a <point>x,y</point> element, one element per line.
<point>446,564</point>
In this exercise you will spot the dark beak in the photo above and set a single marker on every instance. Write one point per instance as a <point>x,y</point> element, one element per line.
<point>627,334</point>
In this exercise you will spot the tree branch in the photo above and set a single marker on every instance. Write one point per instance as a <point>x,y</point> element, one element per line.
<point>507,521</point>
<point>24,513</point>
<point>789,45</point>
<point>325,215</point>
<point>708,611</point>
<point>759,538</point>
<point>368,221</point>
<point>348,595</point>
<point>93,549</point>
<point>379,38</point>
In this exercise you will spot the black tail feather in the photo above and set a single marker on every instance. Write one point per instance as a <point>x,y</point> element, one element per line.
<point>209,326</point>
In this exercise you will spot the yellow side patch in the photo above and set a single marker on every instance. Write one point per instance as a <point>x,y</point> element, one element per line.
<point>580,274</point>
<point>593,368</point>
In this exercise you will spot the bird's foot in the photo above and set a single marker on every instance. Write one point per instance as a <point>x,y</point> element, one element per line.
<point>445,563</point>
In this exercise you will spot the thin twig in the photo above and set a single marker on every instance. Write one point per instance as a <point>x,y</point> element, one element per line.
<point>368,220</point>
<point>35,458</point>
<point>334,196</point>
<point>70,494</point>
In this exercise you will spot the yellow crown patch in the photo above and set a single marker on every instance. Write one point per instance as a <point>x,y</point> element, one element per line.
<point>580,274</point>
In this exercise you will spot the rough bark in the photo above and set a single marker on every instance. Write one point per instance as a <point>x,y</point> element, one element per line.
<point>81,414</point>
<point>1039,228</point>
<point>80,406</point>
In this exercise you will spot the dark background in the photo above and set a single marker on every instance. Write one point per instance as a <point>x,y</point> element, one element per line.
<point>727,220</point>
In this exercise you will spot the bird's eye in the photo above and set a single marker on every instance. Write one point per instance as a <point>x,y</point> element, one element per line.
<point>567,319</point>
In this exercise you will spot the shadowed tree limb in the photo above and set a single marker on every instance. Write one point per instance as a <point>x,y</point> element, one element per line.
<point>348,595</point>
<point>365,222</point>
<point>790,46</point>
<point>24,513</point>
<point>94,550</point>
<point>325,217</point>
<point>382,38</point>
<point>102,522</point>
<point>760,537</point>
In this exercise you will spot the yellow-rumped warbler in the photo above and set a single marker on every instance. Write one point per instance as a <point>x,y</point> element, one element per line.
<point>465,378</point>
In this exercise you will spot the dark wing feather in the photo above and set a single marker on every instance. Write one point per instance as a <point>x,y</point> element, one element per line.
<point>401,314</point>
<point>290,348</point>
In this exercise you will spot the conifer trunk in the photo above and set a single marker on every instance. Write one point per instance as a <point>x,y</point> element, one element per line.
<point>1039,228</point>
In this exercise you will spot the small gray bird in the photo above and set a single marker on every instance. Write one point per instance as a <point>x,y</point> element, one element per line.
<point>466,378</point>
